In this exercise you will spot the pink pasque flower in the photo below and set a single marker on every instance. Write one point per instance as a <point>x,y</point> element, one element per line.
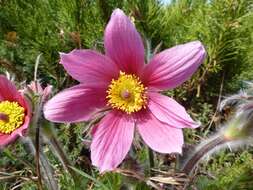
<point>15,113</point>
<point>36,88</point>
<point>120,81</point>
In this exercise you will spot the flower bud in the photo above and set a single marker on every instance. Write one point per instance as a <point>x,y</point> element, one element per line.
<point>36,88</point>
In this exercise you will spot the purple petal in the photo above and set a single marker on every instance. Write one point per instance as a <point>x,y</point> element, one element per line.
<point>75,104</point>
<point>111,141</point>
<point>123,43</point>
<point>90,67</point>
<point>158,135</point>
<point>172,67</point>
<point>170,112</point>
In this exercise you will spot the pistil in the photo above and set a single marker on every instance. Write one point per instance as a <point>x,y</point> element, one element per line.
<point>127,93</point>
<point>4,117</point>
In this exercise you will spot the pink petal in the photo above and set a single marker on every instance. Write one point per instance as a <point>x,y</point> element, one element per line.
<point>21,131</point>
<point>90,67</point>
<point>172,67</point>
<point>123,43</point>
<point>75,104</point>
<point>6,139</point>
<point>8,90</point>
<point>111,141</point>
<point>36,87</point>
<point>170,112</point>
<point>47,92</point>
<point>158,135</point>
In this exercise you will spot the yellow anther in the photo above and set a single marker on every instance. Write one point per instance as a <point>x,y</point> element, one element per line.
<point>127,93</point>
<point>12,116</point>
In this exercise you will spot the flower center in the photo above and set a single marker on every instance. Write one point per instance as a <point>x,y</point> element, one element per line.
<point>11,116</point>
<point>127,93</point>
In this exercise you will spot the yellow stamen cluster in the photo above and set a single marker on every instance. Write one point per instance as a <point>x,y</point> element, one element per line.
<point>14,116</point>
<point>127,93</point>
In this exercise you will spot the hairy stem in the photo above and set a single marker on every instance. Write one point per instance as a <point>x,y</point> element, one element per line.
<point>36,139</point>
<point>58,151</point>
<point>45,167</point>
<point>61,154</point>
<point>151,160</point>
<point>37,156</point>
<point>192,162</point>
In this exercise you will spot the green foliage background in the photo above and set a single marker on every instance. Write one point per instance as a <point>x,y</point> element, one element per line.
<point>32,27</point>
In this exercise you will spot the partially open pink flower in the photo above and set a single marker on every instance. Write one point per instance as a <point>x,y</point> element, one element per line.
<point>36,88</point>
<point>121,81</point>
<point>15,113</point>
